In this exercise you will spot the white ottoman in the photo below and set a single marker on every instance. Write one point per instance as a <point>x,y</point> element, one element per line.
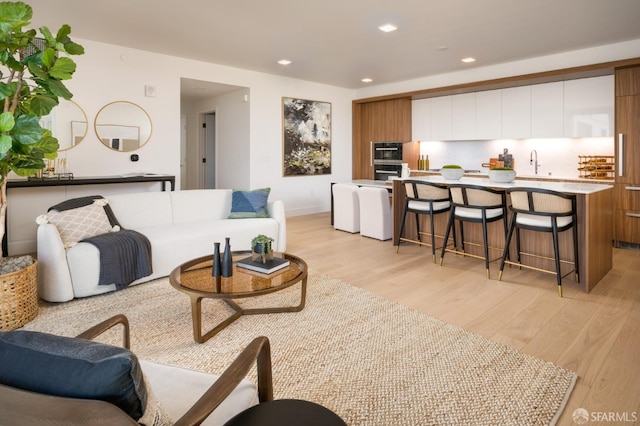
<point>346,209</point>
<point>375,213</point>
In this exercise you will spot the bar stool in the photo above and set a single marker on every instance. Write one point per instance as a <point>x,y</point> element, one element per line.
<point>375,213</point>
<point>346,207</point>
<point>542,210</point>
<point>478,204</point>
<point>422,197</point>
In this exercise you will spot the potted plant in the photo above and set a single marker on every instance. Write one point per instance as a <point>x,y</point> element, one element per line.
<point>32,69</point>
<point>502,174</point>
<point>261,248</point>
<point>452,171</point>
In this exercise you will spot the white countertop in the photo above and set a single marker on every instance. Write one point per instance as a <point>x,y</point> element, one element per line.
<point>567,187</point>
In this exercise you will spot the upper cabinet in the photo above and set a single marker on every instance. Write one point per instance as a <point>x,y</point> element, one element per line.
<point>588,107</point>
<point>547,110</point>
<point>516,112</point>
<point>421,120</point>
<point>442,118</point>
<point>489,114</point>
<point>572,108</point>
<point>464,116</point>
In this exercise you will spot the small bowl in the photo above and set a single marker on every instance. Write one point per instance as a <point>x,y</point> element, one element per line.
<point>502,176</point>
<point>452,174</point>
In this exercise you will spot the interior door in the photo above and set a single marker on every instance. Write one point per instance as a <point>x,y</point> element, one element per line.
<point>209,159</point>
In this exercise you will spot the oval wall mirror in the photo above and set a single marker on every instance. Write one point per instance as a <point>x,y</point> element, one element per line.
<point>123,126</point>
<point>67,122</point>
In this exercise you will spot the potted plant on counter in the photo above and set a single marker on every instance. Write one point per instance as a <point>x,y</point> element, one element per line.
<point>452,171</point>
<point>502,174</point>
<point>32,69</point>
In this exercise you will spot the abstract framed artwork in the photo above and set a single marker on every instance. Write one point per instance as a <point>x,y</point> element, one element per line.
<point>306,134</point>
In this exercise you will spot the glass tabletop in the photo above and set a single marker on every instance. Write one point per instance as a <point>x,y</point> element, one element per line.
<point>195,275</point>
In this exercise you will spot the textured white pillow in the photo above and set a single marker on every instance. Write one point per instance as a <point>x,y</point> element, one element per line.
<point>77,224</point>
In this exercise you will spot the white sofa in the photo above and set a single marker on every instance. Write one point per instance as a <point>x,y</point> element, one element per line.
<point>181,225</point>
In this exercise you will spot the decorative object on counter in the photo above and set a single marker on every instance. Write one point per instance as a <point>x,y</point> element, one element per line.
<point>406,171</point>
<point>502,175</point>
<point>452,171</point>
<point>597,166</point>
<point>507,159</point>
<point>261,248</point>
<point>423,162</point>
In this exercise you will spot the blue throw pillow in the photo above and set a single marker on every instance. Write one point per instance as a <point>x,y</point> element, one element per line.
<point>75,368</point>
<point>246,204</point>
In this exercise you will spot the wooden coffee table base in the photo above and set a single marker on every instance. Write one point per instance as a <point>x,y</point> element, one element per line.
<point>196,313</point>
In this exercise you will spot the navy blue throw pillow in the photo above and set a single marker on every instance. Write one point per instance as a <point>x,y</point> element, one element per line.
<point>71,367</point>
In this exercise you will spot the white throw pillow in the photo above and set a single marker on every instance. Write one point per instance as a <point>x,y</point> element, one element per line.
<point>77,224</point>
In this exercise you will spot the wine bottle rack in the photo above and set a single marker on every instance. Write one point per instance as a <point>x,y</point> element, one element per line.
<point>597,166</point>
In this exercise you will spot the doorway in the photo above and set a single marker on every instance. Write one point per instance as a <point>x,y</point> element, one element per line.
<point>209,150</point>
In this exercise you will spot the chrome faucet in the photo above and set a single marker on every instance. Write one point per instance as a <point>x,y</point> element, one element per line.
<point>531,160</point>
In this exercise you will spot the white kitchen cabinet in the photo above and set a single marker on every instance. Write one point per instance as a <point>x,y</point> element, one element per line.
<point>547,110</point>
<point>442,118</point>
<point>421,120</point>
<point>464,116</point>
<point>516,112</point>
<point>489,114</point>
<point>589,107</point>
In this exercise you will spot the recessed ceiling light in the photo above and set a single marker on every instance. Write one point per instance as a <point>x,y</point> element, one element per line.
<point>366,80</point>
<point>387,28</point>
<point>284,62</point>
<point>468,60</point>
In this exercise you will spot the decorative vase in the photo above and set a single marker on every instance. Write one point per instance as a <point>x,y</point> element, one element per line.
<point>216,267</point>
<point>227,261</point>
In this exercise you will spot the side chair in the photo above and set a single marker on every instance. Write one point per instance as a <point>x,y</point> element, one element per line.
<point>187,396</point>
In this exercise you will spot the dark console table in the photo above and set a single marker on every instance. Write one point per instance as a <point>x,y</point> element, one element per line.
<point>94,180</point>
<point>87,180</point>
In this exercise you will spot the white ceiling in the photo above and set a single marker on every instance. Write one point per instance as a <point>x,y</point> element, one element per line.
<point>337,42</point>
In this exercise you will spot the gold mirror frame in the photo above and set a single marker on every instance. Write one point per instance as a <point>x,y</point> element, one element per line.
<point>67,123</point>
<point>123,126</point>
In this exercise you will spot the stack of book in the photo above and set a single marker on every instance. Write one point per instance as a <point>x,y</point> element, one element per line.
<point>270,266</point>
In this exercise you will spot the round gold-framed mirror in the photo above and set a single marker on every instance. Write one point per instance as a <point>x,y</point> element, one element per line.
<point>123,126</point>
<point>67,122</point>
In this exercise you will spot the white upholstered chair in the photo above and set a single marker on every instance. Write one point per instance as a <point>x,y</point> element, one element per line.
<point>375,213</point>
<point>346,208</point>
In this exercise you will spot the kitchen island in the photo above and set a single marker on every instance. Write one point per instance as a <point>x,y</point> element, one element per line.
<point>595,225</point>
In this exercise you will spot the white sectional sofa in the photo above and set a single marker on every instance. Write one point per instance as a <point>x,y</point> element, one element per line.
<point>180,225</point>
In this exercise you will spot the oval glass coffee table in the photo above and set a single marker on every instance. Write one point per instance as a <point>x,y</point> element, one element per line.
<point>194,278</point>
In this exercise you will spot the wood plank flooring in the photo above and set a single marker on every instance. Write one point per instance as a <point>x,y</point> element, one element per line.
<point>595,334</point>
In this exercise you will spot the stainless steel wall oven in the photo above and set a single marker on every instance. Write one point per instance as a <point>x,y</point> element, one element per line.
<point>386,159</point>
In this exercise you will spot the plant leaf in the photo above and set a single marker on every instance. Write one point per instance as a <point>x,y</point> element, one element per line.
<point>57,88</point>
<point>48,57</point>
<point>63,32</point>
<point>73,48</point>
<point>5,90</point>
<point>42,105</point>
<point>63,69</point>
<point>27,130</point>
<point>5,144</point>
<point>14,15</point>
<point>6,122</point>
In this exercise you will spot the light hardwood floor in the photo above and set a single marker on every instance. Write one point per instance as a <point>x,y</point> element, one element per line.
<point>597,335</point>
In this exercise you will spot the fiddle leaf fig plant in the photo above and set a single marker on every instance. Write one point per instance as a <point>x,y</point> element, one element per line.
<point>33,67</point>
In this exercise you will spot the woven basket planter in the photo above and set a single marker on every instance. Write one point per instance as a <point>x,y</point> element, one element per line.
<point>18,297</point>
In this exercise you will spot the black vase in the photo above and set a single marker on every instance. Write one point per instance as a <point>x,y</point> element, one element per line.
<point>216,268</point>
<point>227,262</point>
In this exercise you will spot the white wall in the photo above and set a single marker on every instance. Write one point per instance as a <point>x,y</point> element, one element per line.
<point>107,73</point>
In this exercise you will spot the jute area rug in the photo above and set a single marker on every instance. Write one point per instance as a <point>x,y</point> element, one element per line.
<point>372,361</point>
